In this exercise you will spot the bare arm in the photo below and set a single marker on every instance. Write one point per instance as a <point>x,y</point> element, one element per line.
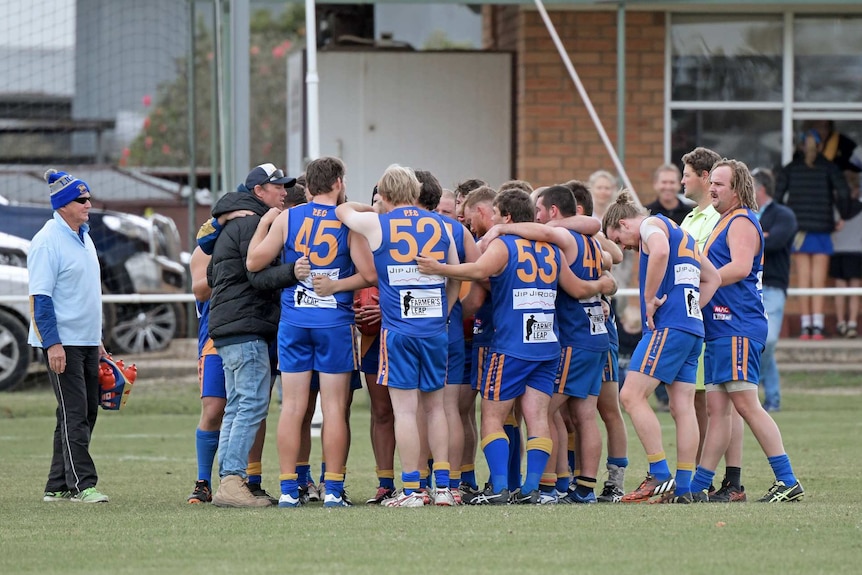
<point>491,263</point>
<point>453,285</point>
<point>471,250</point>
<point>613,250</point>
<point>474,299</point>
<point>659,252</point>
<point>538,232</point>
<point>581,289</point>
<point>586,225</point>
<point>361,219</point>
<point>198,268</point>
<point>267,241</point>
<point>325,286</point>
<point>744,243</point>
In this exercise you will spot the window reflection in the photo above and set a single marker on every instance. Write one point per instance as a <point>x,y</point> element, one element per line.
<point>753,136</point>
<point>827,59</point>
<point>726,58</point>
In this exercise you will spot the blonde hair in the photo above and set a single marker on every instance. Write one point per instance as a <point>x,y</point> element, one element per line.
<point>515,185</point>
<point>399,186</point>
<point>623,208</point>
<point>482,194</point>
<point>594,177</point>
<point>741,181</point>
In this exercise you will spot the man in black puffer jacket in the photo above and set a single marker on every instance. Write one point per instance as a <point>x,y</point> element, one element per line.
<point>244,312</point>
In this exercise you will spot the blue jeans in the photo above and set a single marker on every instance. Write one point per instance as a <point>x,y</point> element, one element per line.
<point>246,378</point>
<point>770,381</point>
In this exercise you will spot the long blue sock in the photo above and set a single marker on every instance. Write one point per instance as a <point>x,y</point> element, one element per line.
<point>683,478</point>
<point>288,484</point>
<point>658,466</point>
<point>702,479</point>
<point>496,450</point>
<point>538,452</point>
<point>513,479</point>
<point>410,481</point>
<point>206,445</point>
<point>783,471</point>
<point>334,483</point>
<point>303,472</point>
<point>468,476</point>
<point>441,475</point>
<point>563,483</point>
<point>386,478</point>
<point>322,472</point>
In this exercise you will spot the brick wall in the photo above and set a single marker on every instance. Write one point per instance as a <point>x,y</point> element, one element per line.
<point>555,137</point>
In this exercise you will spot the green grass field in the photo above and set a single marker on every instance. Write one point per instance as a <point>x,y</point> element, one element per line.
<point>146,461</point>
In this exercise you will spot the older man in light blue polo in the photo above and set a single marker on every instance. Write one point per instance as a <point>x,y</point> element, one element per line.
<point>66,303</point>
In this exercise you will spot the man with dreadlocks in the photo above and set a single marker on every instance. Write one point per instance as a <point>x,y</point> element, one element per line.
<point>736,326</point>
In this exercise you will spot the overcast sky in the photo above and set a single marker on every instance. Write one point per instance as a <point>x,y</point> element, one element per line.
<point>37,23</point>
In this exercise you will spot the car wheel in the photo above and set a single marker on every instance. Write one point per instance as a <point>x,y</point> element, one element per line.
<point>136,328</point>
<point>14,351</point>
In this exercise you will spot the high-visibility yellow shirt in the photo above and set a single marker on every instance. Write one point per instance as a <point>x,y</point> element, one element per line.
<point>700,223</point>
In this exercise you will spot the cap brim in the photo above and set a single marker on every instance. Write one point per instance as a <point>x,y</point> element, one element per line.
<point>288,182</point>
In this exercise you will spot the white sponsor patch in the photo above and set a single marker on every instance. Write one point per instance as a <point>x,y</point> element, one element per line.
<point>597,320</point>
<point>538,328</point>
<point>687,274</point>
<point>692,303</point>
<point>533,298</point>
<point>305,297</point>
<point>410,275</point>
<point>419,303</point>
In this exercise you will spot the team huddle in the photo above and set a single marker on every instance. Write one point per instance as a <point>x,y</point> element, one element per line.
<point>438,297</point>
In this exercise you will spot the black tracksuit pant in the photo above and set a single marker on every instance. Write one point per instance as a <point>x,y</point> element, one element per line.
<point>77,392</point>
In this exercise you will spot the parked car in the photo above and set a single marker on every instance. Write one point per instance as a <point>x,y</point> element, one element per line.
<point>138,255</point>
<point>15,353</point>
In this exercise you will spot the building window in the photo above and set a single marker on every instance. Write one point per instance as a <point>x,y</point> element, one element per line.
<point>726,58</point>
<point>753,136</point>
<point>827,59</point>
<point>740,85</point>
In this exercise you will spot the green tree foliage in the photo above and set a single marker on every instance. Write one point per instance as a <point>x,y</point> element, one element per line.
<point>163,140</point>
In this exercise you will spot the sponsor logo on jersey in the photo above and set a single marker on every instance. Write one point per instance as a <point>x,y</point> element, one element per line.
<point>533,298</point>
<point>421,303</point>
<point>692,303</point>
<point>409,275</point>
<point>721,313</point>
<point>688,274</point>
<point>538,328</point>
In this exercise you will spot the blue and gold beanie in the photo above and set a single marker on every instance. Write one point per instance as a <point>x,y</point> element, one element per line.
<point>64,187</point>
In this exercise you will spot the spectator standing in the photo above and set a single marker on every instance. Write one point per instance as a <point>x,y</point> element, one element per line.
<point>603,186</point>
<point>814,188</point>
<point>846,268</point>
<point>66,299</point>
<point>667,183</point>
<point>779,227</point>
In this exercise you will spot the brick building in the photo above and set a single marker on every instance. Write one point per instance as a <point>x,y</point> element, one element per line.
<point>739,78</point>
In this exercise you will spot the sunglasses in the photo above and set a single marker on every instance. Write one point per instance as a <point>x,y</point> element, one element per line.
<point>276,175</point>
<point>83,200</point>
